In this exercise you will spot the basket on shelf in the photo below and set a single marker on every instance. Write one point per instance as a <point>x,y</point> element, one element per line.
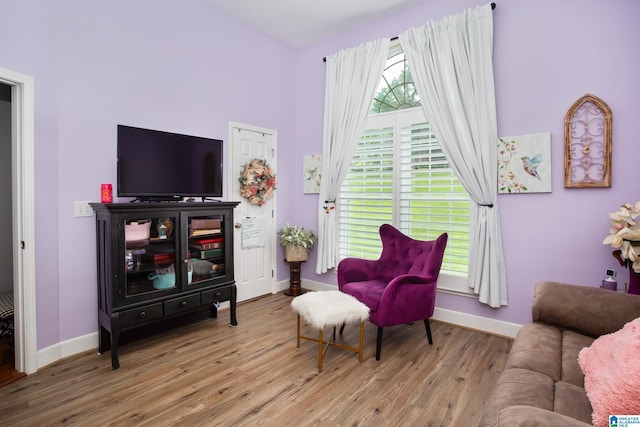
<point>138,230</point>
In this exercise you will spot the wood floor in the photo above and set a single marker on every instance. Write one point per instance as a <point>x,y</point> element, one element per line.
<point>7,369</point>
<point>208,374</point>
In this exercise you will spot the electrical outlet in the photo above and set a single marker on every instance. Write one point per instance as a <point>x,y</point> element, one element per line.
<point>81,209</point>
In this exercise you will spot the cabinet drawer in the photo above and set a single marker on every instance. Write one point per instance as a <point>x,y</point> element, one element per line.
<point>180,304</point>
<point>141,314</point>
<point>216,295</point>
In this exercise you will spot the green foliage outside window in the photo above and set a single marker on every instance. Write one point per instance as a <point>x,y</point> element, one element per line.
<point>398,93</point>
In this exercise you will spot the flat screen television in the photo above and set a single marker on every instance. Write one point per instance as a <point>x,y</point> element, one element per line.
<point>158,166</point>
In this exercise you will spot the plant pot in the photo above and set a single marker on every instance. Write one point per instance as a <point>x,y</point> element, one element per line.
<point>295,253</point>
<point>634,282</point>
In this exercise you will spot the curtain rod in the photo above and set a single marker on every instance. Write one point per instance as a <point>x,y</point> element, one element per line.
<point>493,6</point>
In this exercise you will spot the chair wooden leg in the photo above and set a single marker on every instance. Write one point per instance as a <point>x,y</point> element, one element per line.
<point>379,343</point>
<point>428,328</point>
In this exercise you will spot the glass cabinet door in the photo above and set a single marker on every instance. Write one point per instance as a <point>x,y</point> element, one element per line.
<point>150,262</point>
<point>207,258</point>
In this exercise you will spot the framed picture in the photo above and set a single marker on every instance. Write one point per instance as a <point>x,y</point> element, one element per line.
<point>524,163</point>
<point>587,143</point>
<point>311,166</point>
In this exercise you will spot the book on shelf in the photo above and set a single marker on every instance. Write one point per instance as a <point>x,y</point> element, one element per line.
<point>205,240</point>
<point>207,246</point>
<point>205,223</point>
<point>203,231</point>
<point>209,253</point>
<point>163,259</point>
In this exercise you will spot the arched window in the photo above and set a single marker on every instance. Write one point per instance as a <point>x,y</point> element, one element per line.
<point>396,90</point>
<point>399,175</point>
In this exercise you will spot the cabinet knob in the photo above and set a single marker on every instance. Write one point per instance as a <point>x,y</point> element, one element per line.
<point>237,225</point>
<point>142,314</point>
<point>183,303</point>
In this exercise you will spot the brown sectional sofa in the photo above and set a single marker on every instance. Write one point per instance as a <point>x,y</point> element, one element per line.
<point>542,383</point>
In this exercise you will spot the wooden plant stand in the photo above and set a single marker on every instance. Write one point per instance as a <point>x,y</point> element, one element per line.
<point>294,279</point>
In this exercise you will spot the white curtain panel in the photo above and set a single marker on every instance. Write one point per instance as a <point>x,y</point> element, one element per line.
<point>451,62</point>
<point>352,78</point>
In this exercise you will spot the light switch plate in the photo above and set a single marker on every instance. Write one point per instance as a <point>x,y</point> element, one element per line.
<point>82,209</point>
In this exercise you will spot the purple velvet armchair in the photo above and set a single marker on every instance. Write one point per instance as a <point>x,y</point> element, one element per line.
<point>399,287</point>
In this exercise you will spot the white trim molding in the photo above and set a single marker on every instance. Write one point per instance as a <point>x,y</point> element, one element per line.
<point>465,320</point>
<point>478,323</point>
<point>68,348</point>
<point>22,148</point>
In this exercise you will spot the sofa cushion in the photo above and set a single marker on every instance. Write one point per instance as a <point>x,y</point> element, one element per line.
<point>518,387</point>
<point>572,401</point>
<point>582,308</point>
<point>527,416</point>
<point>612,373</point>
<point>538,348</point>
<point>572,343</point>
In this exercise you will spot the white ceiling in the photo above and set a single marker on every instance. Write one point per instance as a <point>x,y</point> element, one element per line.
<point>299,23</point>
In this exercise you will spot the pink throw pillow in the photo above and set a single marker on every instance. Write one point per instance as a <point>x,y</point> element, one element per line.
<point>611,368</point>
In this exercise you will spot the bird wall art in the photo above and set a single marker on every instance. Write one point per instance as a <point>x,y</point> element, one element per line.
<point>524,163</point>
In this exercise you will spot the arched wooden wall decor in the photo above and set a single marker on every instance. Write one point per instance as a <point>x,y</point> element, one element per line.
<point>587,144</point>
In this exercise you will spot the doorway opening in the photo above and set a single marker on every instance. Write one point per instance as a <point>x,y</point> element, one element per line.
<point>23,218</point>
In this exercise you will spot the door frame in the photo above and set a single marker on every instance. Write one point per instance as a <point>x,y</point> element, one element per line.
<point>236,125</point>
<point>23,218</point>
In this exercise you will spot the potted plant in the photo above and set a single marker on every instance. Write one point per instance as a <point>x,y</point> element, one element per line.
<point>624,237</point>
<point>297,242</point>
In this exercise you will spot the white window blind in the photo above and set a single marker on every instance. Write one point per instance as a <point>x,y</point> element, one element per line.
<point>432,200</point>
<point>366,196</point>
<point>400,176</point>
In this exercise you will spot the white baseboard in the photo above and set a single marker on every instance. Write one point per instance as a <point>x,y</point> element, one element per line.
<point>67,348</point>
<point>87,342</point>
<point>479,323</point>
<point>470,321</point>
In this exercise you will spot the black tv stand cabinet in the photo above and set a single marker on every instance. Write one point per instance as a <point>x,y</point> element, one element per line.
<point>158,199</point>
<point>161,260</point>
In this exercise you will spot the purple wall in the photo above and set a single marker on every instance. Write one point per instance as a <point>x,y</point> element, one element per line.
<point>172,65</point>
<point>182,66</point>
<point>547,54</point>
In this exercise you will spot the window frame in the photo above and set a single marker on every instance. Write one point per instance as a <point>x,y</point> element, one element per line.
<point>447,282</point>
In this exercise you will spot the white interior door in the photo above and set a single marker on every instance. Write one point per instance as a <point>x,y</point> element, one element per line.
<point>255,240</point>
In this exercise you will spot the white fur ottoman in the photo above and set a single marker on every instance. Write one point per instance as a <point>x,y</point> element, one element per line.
<point>329,308</point>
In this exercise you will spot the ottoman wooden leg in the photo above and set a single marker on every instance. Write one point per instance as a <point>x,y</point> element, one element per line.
<point>361,341</point>
<point>298,344</point>
<point>320,351</point>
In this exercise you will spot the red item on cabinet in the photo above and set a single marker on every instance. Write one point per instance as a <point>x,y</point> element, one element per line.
<point>106,193</point>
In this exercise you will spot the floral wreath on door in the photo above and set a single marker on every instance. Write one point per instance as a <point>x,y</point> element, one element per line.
<point>257,182</point>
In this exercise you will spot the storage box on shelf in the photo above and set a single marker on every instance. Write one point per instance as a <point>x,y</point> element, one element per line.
<point>157,260</point>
